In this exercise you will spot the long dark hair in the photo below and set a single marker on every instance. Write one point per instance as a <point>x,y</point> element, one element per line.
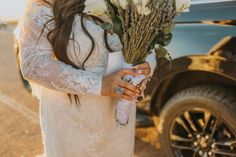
<point>64,12</point>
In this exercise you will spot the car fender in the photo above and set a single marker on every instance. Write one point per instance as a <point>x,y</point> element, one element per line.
<point>217,65</point>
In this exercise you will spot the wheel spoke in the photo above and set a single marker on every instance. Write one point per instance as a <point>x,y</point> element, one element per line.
<point>219,146</point>
<point>214,126</point>
<point>211,124</point>
<point>190,122</point>
<point>227,133</point>
<point>207,116</point>
<point>201,123</point>
<point>177,138</point>
<point>181,122</point>
<point>225,153</point>
<point>176,146</point>
<point>226,144</point>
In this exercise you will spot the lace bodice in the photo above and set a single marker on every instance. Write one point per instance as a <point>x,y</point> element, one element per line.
<point>39,66</point>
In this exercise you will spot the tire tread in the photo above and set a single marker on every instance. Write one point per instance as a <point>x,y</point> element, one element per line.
<point>222,94</point>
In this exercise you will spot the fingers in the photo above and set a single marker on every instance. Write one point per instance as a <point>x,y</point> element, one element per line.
<point>129,86</point>
<point>128,95</point>
<point>141,66</point>
<point>131,92</point>
<point>124,96</point>
<point>125,72</point>
<point>142,69</point>
<point>144,84</point>
<point>144,72</point>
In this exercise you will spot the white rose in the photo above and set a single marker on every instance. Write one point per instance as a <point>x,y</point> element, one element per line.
<point>95,7</point>
<point>121,3</point>
<point>182,5</point>
<point>142,7</point>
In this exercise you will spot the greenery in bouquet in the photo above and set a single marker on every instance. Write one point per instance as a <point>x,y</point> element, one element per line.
<point>143,25</point>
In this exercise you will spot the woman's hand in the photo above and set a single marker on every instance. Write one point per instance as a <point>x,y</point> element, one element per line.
<point>143,69</point>
<point>111,82</point>
<point>130,92</point>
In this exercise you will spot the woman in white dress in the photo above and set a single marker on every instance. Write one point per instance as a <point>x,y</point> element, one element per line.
<point>64,56</point>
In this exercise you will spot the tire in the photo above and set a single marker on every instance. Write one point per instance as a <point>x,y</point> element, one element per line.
<point>193,106</point>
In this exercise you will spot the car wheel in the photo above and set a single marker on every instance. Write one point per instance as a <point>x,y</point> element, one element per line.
<point>199,122</point>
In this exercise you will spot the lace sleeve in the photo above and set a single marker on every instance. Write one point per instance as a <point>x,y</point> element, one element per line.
<point>38,65</point>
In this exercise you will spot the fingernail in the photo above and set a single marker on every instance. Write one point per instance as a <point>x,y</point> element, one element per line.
<point>135,100</point>
<point>134,97</point>
<point>140,71</point>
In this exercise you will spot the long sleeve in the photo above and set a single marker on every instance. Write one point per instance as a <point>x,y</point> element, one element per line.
<point>38,64</point>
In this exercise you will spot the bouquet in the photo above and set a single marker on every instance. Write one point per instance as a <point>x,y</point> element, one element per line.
<point>141,25</point>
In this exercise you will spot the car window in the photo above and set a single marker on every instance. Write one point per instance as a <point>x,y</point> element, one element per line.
<point>209,1</point>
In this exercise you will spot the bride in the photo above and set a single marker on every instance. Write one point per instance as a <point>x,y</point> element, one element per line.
<point>64,55</point>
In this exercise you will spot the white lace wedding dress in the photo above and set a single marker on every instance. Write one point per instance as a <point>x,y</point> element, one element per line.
<point>89,130</point>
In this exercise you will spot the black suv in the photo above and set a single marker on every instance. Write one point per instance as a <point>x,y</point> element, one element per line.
<point>193,103</point>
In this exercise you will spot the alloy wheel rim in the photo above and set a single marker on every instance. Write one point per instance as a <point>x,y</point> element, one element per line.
<point>200,133</point>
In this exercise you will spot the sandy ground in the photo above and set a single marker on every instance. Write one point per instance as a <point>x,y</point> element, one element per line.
<point>19,128</point>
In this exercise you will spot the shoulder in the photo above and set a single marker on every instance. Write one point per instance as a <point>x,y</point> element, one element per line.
<point>46,3</point>
<point>37,13</point>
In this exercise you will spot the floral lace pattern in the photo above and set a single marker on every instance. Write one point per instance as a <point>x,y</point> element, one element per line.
<point>39,66</point>
<point>69,131</point>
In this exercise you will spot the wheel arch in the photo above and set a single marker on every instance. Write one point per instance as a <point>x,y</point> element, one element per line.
<point>190,71</point>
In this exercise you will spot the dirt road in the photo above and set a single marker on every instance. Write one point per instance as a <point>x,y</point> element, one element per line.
<point>19,128</point>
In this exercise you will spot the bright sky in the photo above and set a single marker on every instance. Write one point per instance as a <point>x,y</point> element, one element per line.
<point>11,9</point>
